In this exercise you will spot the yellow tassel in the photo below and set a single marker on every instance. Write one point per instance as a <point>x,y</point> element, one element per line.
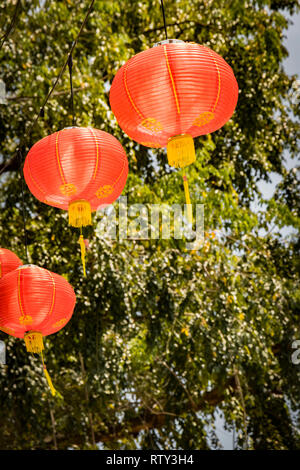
<point>53,391</point>
<point>181,151</point>
<point>188,199</point>
<point>34,342</point>
<point>82,247</point>
<point>80,213</point>
<point>48,378</point>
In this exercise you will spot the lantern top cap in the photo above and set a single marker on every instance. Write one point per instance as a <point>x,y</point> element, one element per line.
<point>24,266</point>
<point>169,41</point>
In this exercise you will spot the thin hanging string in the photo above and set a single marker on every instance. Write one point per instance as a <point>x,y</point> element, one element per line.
<point>82,249</point>
<point>66,62</point>
<point>70,65</point>
<point>164,17</point>
<point>81,239</point>
<point>41,111</point>
<point>23,207</point>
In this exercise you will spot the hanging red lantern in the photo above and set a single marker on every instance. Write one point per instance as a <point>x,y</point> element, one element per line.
<point>169,94</point>
<point>78,169</point>
<point>8,261</point>
<point>35,302</point>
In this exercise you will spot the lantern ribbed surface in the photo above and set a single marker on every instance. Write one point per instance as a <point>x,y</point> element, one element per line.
<point>171,90</point>
<point>8,261</point>
<point>33,299</point>
<point>77,164</point>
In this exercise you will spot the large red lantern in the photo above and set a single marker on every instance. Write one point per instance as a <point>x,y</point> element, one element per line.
<point>78,169</point>
<point>169,94</point>
<point>8,261</point>
<point>35,302</point>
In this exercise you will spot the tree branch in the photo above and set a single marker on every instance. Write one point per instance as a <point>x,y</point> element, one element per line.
<point>11,25</point>
<point>87,399</point>
<point>149,420</point>
<point>159,28</point>
<point>11,165</point>
<point>193,405</point>
<point>241,395</point>
<point>55,93</point>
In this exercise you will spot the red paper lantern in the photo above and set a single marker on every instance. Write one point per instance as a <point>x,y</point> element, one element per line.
<point>8,261</point>
<point>35,302</point>
<point>167,95</point>
<point>78,169</point>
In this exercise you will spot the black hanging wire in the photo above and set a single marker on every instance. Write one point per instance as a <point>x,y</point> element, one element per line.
<point>164,17</point>
<point>11,25</point>
<point>42,108</point>
<point>81,239</point>
<point>23,208</point>
<point>41,113</point>
<point>70,65</point>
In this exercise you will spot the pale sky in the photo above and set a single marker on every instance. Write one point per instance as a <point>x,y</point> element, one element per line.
<point>292,67</point>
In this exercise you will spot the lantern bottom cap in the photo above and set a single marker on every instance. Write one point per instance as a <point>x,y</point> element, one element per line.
<point>80,213</point>
<point>34,342</point>
<point>181,151</point>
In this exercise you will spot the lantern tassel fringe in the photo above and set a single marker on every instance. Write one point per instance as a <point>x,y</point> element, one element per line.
<point>34,342</point>
<point>188,199</point>
<point>80,213</point>
<point>181,151</point>
<point>82,248</point>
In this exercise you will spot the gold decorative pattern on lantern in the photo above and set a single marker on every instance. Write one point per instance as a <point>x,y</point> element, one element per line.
<point>68,189</point>
<point>152,124</point>
<point>203,118</point>
<point>151,144</point>
<point>9,331</point>
<point>25,320</point>
<point>49,201</point>
<point>104,191</point>
<point>60,323</point>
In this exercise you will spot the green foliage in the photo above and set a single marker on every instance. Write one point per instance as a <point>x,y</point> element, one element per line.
<point>159,333</point>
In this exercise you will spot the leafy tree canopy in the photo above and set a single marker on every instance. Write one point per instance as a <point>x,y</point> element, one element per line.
<point>162,337</point>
